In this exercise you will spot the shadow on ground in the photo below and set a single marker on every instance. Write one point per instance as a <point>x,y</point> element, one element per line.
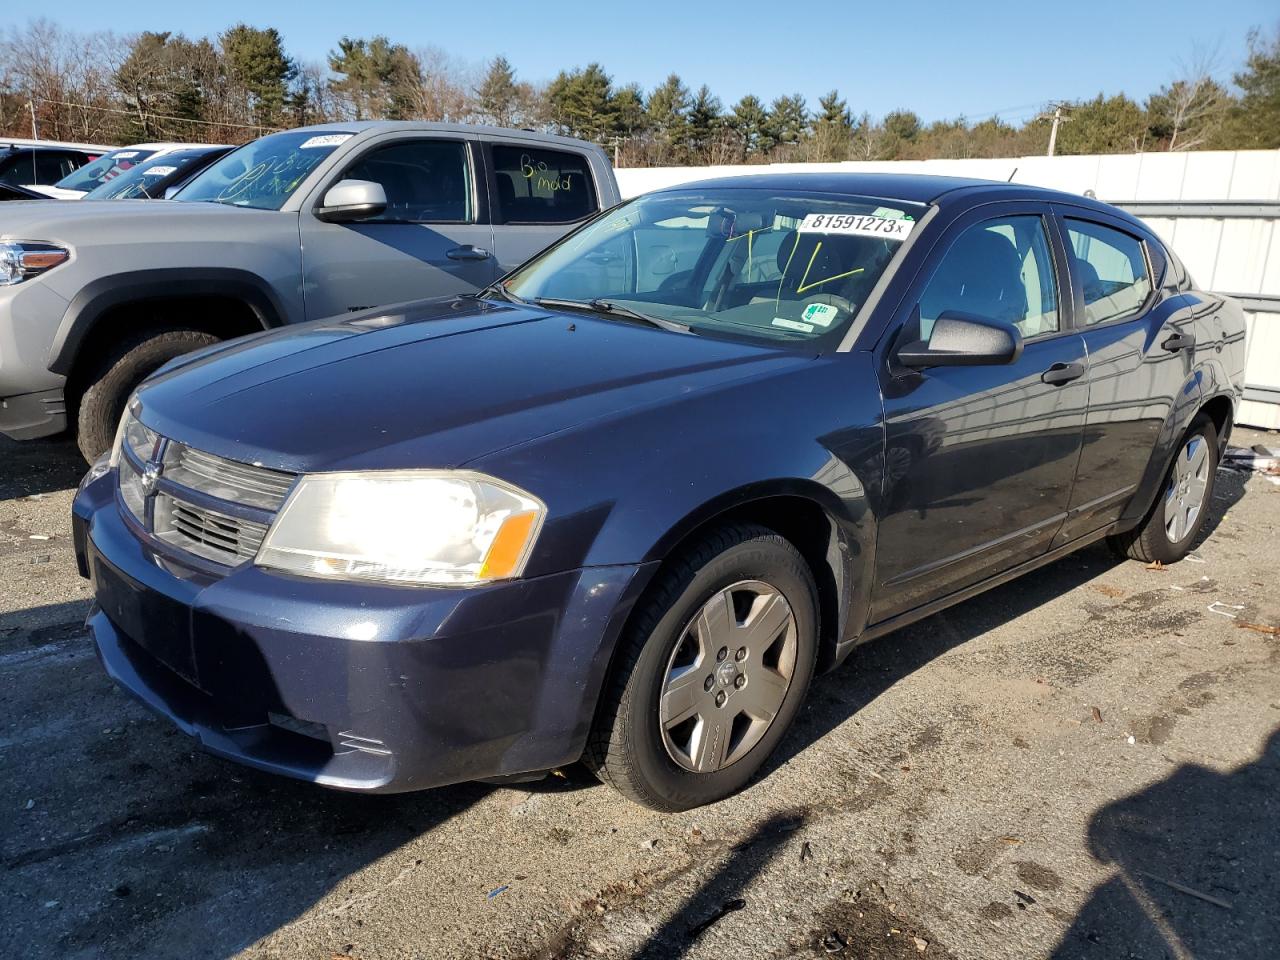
<point>39,466</point>
<point>1197,868</point>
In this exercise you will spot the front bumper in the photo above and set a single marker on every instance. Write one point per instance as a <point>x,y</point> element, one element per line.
<point>354,686</point>
<point>32,415</point>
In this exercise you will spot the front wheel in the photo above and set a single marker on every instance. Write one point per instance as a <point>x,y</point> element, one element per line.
<point>1179,513</point>
<point>713,668</point>
<point>126,365</point>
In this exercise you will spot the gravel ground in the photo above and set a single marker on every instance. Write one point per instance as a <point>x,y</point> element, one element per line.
<point>1083,763</point>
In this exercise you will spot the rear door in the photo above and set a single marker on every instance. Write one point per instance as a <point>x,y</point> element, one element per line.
<point>1137,362</point>
<point>434,239</point>
<point>539,193</point>
<point>979,461</point>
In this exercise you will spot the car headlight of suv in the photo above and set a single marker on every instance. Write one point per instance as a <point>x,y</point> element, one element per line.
<point>22,259</point>
<point>430,527</point>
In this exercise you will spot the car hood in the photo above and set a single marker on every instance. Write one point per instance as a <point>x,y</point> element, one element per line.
<point>431,384</point>
<point>115,220</point>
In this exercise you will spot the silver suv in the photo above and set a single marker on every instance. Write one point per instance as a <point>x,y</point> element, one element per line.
<point>295,226</point>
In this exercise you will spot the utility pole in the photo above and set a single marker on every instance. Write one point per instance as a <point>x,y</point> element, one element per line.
<point>1058,118</point>
<point>35,133</point>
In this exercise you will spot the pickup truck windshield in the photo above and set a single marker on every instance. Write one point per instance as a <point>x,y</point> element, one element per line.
<point>741,262</point>
<point>264,173</point>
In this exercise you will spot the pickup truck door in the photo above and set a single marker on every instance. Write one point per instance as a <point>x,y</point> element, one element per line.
<point>539,194</point>
<point>980,460</point>
<point>434,239</point>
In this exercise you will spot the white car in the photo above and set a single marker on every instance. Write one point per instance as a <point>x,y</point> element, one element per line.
<point>75,185</point>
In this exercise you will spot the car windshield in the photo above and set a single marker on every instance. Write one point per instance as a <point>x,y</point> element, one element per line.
<point>137,180</point>
<point>780,266</point>
<point>264,173</point>
<point>106,167</point>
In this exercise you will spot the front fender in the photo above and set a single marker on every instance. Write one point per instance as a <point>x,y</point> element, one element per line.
<point>636,485</point>
<point>99,296</point>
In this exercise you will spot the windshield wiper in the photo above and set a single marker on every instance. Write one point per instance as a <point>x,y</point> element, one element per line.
<point>496,289</point>
<point>610,308</point>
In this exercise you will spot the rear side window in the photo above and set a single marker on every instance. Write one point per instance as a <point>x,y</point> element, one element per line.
<point>542,186</point>
<point>1112,271</point>
<point>426,181</point>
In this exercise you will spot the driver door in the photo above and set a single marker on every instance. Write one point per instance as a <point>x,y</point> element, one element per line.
<point>434,239</point>
<point>980,460</point>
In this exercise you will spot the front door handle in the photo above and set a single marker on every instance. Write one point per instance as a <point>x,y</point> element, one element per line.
<point>468,252</point>
<point>1179,341</point>
<point>1061,373</point>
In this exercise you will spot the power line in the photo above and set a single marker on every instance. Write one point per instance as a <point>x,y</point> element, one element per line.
<point>161,116</point>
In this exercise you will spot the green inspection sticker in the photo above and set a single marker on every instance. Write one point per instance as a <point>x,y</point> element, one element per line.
<point>820,314</point>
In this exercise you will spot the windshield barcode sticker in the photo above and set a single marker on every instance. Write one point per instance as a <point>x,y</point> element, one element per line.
<point>858,225</point>
<point>160,171</point>
<point>328,140</point>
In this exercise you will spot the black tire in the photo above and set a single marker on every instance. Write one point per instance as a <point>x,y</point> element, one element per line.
<point>626,748</point>
<point>1150,541</point>
<point>107,388</point>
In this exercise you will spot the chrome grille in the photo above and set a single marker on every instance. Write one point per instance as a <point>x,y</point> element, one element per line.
<point>207,533</point>
<point>205,505</point>
<point>226,479</point>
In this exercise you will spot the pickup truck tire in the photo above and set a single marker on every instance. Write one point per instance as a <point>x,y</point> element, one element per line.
<point>753,662</point>
<point>125,365</point>
<point>1167,534</point>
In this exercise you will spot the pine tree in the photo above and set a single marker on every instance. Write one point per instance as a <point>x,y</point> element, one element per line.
<point>750,121</point>
<point>499,95</point>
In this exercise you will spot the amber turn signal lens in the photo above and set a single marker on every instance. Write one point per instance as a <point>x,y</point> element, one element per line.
<point>508,546</point>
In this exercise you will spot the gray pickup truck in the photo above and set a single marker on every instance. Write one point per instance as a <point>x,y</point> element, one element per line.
<point>295,226</point>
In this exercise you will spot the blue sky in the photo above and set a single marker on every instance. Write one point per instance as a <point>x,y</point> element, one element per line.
<point>940,59</point>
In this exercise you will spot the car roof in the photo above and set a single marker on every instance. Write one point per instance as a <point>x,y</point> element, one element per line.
<point>909,187</point>
<point>366,126</point>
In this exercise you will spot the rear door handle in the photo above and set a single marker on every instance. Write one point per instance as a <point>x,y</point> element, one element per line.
<point>468,252</point>
<point>1179,341</point>
<point>1061,373</point>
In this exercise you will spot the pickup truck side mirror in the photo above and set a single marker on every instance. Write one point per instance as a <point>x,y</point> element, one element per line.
<point>348,201</point>
<point>963,340</point>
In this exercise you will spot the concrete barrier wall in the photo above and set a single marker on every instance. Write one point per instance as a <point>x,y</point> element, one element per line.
<point>1217,208</point>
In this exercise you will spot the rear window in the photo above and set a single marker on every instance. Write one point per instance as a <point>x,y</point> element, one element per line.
<point>542,186</point>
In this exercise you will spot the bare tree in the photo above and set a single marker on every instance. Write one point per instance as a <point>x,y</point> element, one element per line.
<point>1187,112</point>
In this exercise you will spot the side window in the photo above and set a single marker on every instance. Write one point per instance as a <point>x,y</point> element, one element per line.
<point>52,167</point>
<point>999,270</point>
<point>426,181</point>
<point>542,186</point>
<point>1112,271</point>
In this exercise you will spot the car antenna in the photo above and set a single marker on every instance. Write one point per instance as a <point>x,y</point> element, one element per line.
<point>1012,175</point>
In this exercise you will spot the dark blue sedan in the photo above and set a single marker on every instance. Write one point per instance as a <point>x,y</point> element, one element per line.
<point>621,506</point>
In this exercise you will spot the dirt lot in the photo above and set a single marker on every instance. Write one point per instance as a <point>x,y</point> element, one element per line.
<point>1084,763</point>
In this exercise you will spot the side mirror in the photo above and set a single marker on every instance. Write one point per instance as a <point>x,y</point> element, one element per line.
<point>348,201</point>
<point>963,340</point>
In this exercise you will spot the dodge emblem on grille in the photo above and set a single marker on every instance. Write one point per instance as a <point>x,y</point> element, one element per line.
<point>151,476</point>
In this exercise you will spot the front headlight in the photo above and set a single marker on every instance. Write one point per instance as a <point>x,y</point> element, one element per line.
<point>436,527</point>
<point>22,259</point>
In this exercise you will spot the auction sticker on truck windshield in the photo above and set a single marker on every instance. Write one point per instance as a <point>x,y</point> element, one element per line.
<point>858,225</point>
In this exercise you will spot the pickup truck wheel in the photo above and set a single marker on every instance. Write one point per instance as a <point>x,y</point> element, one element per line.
<point>126,364</point>
<point>712,669</point>
<point>1170,529</point>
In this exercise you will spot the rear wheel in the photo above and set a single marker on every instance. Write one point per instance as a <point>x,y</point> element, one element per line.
<point>126,364</point>
<point>1179,513</point>
<point>713,668</point>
